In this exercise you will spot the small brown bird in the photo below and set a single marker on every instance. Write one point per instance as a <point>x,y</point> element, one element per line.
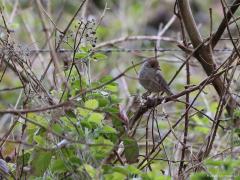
<point>151,78</point>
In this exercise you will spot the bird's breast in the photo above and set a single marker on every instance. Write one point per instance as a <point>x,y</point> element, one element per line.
<point>147,79</point>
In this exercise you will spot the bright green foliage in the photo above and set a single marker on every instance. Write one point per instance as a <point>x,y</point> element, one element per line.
<point>99,56</point>
<point>89,137</point>
<point>91,104</point>
<point>97,149</point>
<point>39,162</point>
<point>223,168</point>
<point>200,176</point>
<point>131,149</point>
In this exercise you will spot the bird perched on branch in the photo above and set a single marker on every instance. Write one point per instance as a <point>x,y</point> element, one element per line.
<point>151,79</point>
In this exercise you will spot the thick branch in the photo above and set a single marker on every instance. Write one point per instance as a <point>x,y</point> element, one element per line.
<point>189,22</point>
<point>217,35</point>
<point>204,55</point>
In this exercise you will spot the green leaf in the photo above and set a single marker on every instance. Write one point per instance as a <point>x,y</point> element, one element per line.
<point>40,161</point>
<point>39,140</point>
<point>131,149</point>
<point>80,55</point>
<point>101,147</point>
<point>214,162</point>
<point>133,169</point>
<point>111,88</point>
<point>40,119</point>
<point>58,166</point>
<point>106,79</point>
<point>86,48</point>
<point>75,161</point>
<point>57,128</point>
<point>121,170</point>
<point>115,99</point>
<point>102,32</point>
<point>101,97</point>
<point>114,176</point>
<point>99,56</point>
<point>108,129</point>
<point>114,110</point>
<point>92,104</point>
<point>200,176</point>
<point>90,170</point>
<point>96,118</point>
<point>213,170</point>
<point>83,112</point>
<point>86,124</point>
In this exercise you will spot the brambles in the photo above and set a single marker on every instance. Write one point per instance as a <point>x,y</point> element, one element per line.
<point>71,106</point>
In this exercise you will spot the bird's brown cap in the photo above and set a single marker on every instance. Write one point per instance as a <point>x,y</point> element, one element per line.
<point>153,63</point>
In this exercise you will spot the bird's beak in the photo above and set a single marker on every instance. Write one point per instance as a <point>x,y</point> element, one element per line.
<point>159,69</point>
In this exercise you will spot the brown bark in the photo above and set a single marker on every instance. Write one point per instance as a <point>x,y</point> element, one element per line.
<point>204,54</point>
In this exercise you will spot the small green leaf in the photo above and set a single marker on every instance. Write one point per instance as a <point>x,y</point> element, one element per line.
<point>86,49</point>
<point>80,55</point>
<point>111,88</point>
<point>121,170</point>
<point>58,166</point>
<point>115,99</point>
<point>40,119</point>
<point>57,128</point>
<point>99,56</point>
<point>106,79</point>
<point>112,109</point>
<point>90,170</point>
<point>40,161</point>
<point>108,129</point>
<point>102,148</point>
<point>92,104</point>
<point>75,161</point>
<point>39,140</point>
<point>133,170</point>
<point>96,118</point>
<point>86,124</point>
<point>83,112</point>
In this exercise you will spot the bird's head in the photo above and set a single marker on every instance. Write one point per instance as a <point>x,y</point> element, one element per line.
<point>152,63</point>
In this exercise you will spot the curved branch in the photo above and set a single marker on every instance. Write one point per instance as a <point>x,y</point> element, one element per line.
<point>223,25</point>
<point>204,55</point>
<point>189,22</point>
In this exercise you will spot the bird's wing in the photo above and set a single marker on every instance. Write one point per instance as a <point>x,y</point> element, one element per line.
<point>161,81</point>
